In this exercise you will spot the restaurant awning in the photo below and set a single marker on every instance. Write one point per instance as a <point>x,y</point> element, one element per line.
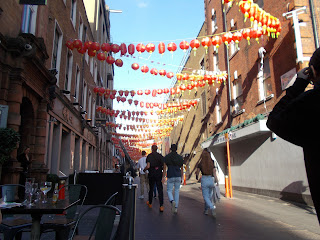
<point>254,127</point>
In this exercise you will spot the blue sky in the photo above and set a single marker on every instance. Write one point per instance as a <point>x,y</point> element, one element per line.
<point>152,21</point>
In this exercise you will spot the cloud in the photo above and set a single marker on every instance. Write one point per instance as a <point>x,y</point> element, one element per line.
<point>142,4</point>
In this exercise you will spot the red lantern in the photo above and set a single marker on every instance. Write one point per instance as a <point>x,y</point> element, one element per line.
<point>166,90</point>
<point>112,97</point>
<point>245,8</point>
<point>161,47</point>
<point>91,52</point>
<point>130,101</point>
<point>126,93</point>
<point>139,92</point>
<point>101,56</point>
<point>107,91</point>
<point>114,92</point>
<point>69,44</point>
<point>227,38</point>
<point>206,43</point>
<point>119,63</point>
<point>140,48</point>
<point>160,91</point>
<point>136,102</point>
<point>144,69</point>
<point>246,34</point>
<point>105,47</point>
<point>179,76</point>
<point>172,91</point>
<point>185,77</point>
<point>236,37</point>
<point>172,47</point>
<point>123,99</point>
<point>95,89</point>
<point>77,44</point>
<point>184,45</point>
<point>135,66</point>
<point>82,50</point>
<point>154,93</point>
<point>141,104</point>
<point>110,60</point>
<point>131,49</point>
<point>150,48</point>
<point>147,92</point>
<point>154,71</point>
<point>162,72</point>
<point>118,98</point>
<point>120,92</point>
<point>255,34</point>
<point>115,48</point>
<point>170,75</point>
<point>95,46</point>
<point>123,49</point>
<point>132,93</point>
<point>87,44</point>
<point>195,44</point>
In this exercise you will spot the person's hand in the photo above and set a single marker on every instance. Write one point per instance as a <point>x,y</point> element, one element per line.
<point>305,73</point>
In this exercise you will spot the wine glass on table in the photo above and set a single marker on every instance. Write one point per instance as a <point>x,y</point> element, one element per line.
<point>45,187</point>
<point>32,191</point>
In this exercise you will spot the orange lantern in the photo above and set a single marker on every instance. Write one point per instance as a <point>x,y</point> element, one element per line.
<point>246,34</point>
<point>227,38</point>
<point>236,37</point>
<point>216,41</point>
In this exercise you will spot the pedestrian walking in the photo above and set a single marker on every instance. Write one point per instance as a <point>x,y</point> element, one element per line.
<point>155,168</point>
<point>174,166</point>
<point>209,176</point>
<point>295,118</point>
<point>142,163</point>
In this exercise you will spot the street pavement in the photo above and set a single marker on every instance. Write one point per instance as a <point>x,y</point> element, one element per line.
<point>245,216</point>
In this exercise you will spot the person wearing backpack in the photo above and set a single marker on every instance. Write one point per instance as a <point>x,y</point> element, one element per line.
<point>173,162</point>
<point>155,167</point>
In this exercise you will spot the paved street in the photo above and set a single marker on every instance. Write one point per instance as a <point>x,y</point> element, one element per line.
<point>246,216</point>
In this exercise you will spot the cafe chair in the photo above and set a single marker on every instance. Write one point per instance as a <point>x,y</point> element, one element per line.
<point>62,224</point>
<point>12,225</point>
<point>112,199</point>
<point>103,225</point>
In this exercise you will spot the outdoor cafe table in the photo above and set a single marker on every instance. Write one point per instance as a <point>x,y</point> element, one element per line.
<point>38,210</point>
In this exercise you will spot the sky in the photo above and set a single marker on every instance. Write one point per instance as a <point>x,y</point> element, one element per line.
<point>152,21</point>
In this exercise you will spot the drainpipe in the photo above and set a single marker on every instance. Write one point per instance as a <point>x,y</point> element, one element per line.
<point>314,24</point>
<point>228,68</point>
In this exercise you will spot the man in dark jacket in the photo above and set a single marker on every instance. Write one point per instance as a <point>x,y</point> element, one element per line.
<point>174,162</point>
<point>296,118</point>
<point>155,167</point>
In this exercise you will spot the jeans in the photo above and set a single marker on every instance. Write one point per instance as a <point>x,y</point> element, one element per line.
<point>174,181</point>
<point>207,185</point>
<point>155,180</point>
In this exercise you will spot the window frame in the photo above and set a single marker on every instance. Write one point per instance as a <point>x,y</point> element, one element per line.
<point>236,94</point>
<point>203,103</point>
<point>218,110</point>
<point>77,84</point>
<point>68,73</point>
<point>57,42</point>
<point>73,12</point>
<point>29,19</point>
<point>262,78</point>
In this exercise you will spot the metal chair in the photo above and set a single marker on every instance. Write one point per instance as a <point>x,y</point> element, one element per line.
<point>112,199</point>
<point>12,225</point>
<point>102,228</point>
<point>63,224</point>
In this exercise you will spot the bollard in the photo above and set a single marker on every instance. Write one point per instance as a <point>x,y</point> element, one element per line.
<point>184,179</point>
<point>227,186</point>
<point>126,225</point>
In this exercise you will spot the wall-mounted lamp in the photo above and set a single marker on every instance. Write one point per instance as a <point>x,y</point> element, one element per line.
<point>65,91</point>
<point>75,103</point>
<point>83,112</point>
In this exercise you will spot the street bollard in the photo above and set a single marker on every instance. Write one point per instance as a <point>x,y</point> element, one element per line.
<point>227,186</point>
<point>126,228</point>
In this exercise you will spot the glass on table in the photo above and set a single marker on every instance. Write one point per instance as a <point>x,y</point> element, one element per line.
<point>33,190</point>
<point>45,187</point>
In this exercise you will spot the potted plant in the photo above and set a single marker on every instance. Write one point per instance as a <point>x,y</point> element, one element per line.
<point>9,139</point>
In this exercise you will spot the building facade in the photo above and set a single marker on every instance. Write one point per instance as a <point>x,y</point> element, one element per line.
<point>49,88</point>
<point>258,73</point>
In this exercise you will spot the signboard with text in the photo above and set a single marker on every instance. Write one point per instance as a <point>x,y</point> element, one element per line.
<point>33,2</point>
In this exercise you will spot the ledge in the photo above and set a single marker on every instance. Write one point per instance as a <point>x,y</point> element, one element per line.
<point>237,113</point>
<point>265,100</point>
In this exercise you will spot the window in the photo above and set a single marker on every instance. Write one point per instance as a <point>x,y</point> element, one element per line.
<point>84,96</point>
<point>93,113</point>
<point>264,77</point>
<point>80,30</point>
<point>77,84</point>
<point>29,19</point>
<point>67,83</point>
<point>202,66</point>
<point>214,23</point>
<point>56,53</point>
<point>204,103</point>
<point>218,110</point>
<point>237,94</point>
<point>216,62</point>
<point>89,105</point>
<point>73,12</point>
<point>95,73</point>
<point>86,54</point>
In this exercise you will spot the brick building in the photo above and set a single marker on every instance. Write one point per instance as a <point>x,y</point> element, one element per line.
<point>49,89</point>
<point>258,74</point>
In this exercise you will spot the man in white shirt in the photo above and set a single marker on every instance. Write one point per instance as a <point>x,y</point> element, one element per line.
<point>143,175</point>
